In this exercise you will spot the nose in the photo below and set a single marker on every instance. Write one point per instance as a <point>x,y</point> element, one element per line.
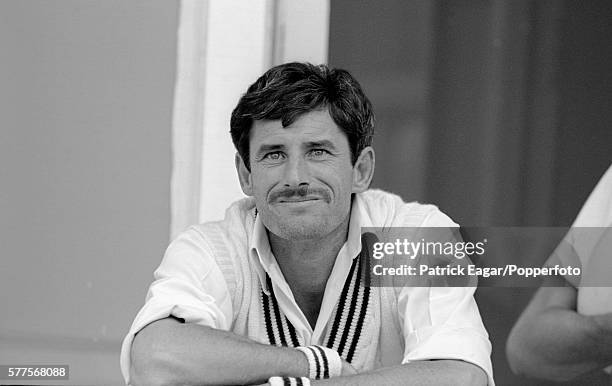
<point>296,173</point>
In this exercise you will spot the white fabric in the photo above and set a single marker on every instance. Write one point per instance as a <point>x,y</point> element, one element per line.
<point>314,356</point>
<point>280,381</point>
<point>221,289</point>
<point>590,229</point>
<point>583,243</point>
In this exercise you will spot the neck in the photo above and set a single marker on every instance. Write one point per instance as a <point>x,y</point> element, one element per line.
<point>307,264</point>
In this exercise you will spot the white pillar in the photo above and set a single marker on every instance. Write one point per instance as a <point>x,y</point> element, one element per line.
<point>224,45</point>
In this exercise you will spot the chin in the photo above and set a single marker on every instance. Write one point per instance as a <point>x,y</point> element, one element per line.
<point>298,229</point>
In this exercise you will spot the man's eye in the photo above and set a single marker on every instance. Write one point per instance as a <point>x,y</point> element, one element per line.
<point>318,152</point>
<point>274,156</point>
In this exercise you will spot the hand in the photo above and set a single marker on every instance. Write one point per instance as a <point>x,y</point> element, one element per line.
<point>347,369</point>
<point>604,322</point>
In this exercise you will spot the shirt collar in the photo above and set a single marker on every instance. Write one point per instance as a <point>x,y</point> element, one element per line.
<point>261,253</point>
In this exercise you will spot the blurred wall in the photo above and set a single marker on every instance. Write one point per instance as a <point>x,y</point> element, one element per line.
<point>519,109</point>
<point>519,127</point>
<point>585,113</point>
<point>386,45</point>
<point>85,114</point>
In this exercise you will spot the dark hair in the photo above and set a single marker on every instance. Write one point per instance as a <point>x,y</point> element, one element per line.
<point>286,91</point>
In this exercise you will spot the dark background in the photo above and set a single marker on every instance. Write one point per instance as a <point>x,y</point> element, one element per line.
<point>496,111</point>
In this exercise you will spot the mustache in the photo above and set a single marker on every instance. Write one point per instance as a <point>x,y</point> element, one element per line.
<point>301,191</point>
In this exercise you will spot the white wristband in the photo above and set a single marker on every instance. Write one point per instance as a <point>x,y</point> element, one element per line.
<point>282,381</point>
<point>323,362</point>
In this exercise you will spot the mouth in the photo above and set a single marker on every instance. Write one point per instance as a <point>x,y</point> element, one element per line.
<point>297,200</point>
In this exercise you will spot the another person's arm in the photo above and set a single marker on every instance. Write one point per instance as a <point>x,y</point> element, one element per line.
<point>552,341</point>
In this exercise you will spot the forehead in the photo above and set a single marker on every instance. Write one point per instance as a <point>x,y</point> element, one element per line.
<point>309,127</point>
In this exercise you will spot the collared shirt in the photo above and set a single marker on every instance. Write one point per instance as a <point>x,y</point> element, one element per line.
<point>591,230</point>
<point>214,275</point>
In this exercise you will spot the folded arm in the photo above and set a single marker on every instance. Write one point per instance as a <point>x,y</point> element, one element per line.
<point>170,352</point>
<point>440,372</point>
<point>553,341</point>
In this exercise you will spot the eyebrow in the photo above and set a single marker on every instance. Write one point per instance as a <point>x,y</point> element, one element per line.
<point>323,143</point>
<point>265,148</point>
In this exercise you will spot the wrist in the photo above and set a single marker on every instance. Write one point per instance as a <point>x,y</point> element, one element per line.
<point>322,362</point>
<point>282,381</point>
<point>295,364</point>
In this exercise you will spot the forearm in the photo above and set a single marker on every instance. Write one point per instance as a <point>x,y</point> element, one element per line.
<point>559,344</point>
<point>170,352</point>
<point>439,372</point>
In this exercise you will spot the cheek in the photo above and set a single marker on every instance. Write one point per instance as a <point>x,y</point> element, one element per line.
<point>262,184</point>
<point>341,183</point>
<point>261,190</point>
<point>345,178</point>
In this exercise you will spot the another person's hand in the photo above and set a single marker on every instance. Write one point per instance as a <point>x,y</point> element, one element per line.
<point>604,321</point>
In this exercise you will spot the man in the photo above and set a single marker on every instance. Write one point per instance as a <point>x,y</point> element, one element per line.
<point>275,289</point>
<point>566,330</point>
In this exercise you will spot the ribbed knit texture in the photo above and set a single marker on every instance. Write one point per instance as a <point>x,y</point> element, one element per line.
<point>352,309</point>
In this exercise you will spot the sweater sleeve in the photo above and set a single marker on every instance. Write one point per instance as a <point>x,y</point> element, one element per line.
<point>443,322</point>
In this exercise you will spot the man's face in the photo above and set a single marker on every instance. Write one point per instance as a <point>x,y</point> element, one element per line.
<point>301,175</point>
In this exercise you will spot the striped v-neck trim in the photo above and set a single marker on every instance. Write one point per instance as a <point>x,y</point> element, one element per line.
<point>347,319</point>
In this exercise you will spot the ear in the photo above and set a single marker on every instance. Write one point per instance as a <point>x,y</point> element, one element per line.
<point>363,170</point>
<point>244,176</point>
